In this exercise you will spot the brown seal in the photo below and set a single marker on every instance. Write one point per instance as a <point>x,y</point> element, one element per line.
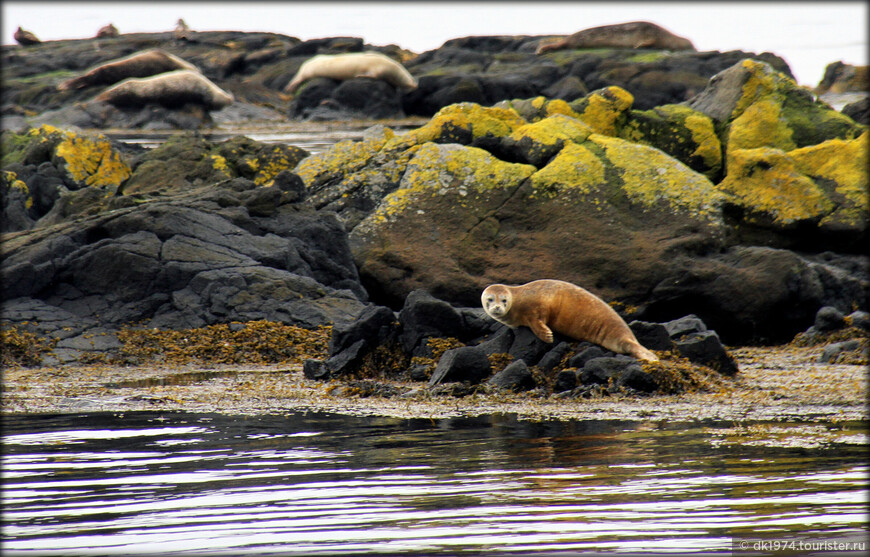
<point>351,65</point>
<point>635,34</point>
<point>139,64</point>
<point>107,31</point>
<point>547,305</point>
<point>25,38</point>
<point>170,89</point>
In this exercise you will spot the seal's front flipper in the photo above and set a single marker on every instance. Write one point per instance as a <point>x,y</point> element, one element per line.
<point>542,331</point>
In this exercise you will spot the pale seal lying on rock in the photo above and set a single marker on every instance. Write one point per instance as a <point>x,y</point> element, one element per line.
<point>356,64</point>
<point>636,34</point>
<point>139,64</point>
<point>171,89</point>
<point>545,306</point>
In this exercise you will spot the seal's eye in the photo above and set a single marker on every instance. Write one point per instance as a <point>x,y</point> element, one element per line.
<point>489,299</point>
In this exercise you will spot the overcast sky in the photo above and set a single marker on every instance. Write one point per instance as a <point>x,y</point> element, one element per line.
<point>809,35</point>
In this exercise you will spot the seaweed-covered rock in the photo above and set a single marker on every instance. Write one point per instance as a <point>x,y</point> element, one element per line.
<point>617,372</point>
<point>833,352</point>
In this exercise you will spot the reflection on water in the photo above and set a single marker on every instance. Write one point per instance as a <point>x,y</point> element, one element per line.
<point>316,483</point>
<point>314,137</point>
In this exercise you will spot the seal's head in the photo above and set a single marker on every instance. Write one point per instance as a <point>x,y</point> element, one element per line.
<point>496,300</point>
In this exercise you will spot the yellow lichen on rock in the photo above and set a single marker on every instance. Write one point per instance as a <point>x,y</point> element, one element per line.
<point>92,161</point>
<point>762,80</point>
<point>574,168</point>
<point>10,179</point>
<point>275,163</point>
<point>604,108</point>
<point>761,124</point>
<point>650,176</point>
<point>552,129</point>
<point>342,158</point>
<point>843,163</point>
<point>768,181</point>
<point>558,106</point>
<point>457,169</point>
<point>470,118</point>
<point>220,163</point>
<point>704,134</point>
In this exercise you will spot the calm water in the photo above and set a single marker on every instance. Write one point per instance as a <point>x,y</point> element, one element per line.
<point>318,483</point>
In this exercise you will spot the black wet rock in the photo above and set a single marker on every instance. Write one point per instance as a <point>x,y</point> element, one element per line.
<point>585,354</point>
<point>553,357</point>
<point>528,347</point>
<point>706,349</point>
<point>515,377</point>
<point>499,342</point>
<point>424,316</point>
<point>600,370</point>
<point>858,111</point>
<point>315,369</point>
<point>860,319</point>
<point>468,364</point>
<point>189,260</point>
<point>685,326</point>
<point>618,372</point>
<point>829,319</point>
<point>347,361</point>
<point>292,186</point>
<point>329,99</point>
<point>565,381</point>
<point>654,336</point>
<point>375,325</point>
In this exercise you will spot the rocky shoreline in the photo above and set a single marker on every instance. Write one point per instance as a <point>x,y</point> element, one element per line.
<point>722,206</point>
<point>778,383</point>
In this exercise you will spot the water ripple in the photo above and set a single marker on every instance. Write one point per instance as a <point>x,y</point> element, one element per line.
<point>324,484</point>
